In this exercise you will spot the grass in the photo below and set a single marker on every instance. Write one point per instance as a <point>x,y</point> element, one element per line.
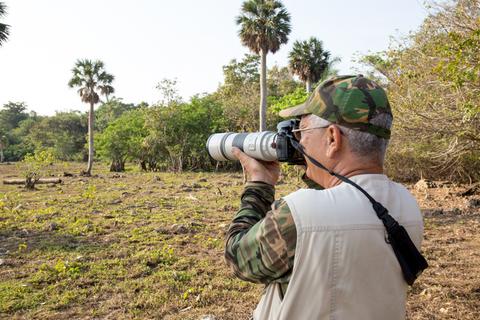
<point>150,245</point>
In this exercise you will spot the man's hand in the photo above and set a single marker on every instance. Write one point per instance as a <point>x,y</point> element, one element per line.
<point>256,170</point>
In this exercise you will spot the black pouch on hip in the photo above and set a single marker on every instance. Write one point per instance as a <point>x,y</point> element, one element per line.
<point>410,259</point>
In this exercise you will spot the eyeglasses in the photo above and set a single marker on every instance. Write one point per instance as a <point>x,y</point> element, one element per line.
<point>297,133</point>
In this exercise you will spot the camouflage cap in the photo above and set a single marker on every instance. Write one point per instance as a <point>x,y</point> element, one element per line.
<point>349,101</point>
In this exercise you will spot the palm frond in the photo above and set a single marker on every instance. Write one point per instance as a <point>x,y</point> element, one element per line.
<point>264,25</point>
<point>3,9</point>
<point>309,60</point>
<point>90,76</point>
<point>4,28</point>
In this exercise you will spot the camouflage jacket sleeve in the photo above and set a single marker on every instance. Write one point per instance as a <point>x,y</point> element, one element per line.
<point>260,244</point>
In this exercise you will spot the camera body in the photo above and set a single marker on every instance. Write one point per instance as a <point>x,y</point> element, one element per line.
<point>285,150</point>
<point>266,145</point>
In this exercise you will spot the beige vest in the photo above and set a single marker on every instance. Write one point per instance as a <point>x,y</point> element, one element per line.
<point>343,267</point>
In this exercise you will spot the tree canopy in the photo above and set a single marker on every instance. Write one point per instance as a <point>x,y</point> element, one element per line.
<point>309,61</point>
<point>91,79</point>
<point>264,25</point>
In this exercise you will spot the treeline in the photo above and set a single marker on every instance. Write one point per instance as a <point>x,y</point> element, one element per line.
<point>169,135</point>
<point>432,78</point>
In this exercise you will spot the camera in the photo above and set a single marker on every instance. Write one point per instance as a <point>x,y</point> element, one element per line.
<point>266,145</point>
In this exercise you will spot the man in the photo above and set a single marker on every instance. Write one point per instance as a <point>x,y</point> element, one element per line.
<point>323,254</point>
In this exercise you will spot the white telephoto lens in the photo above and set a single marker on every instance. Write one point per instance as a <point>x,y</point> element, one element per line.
<point>258,145</point>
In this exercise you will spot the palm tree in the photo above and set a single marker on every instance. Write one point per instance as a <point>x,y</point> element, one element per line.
<point>264,26</point>
<point>90,77</point>
<point>4,28</point>
<point>309,61</point>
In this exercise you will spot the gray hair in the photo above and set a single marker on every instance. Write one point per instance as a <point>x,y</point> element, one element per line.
<point>363,144</point>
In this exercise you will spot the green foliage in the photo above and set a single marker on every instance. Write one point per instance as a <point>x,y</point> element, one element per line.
<point>123,138</point>
<point>168,91</point>
<point>292,99</point>
<point>178,132</point>
<point>35,165</point>
<point>239,94</point>
<point>280,82</point>
<point>11,115</point>
<point>163,257</point>
<point>69,269</point>
<point>238,73</point>
<point>64,133</point>
<point>90,192</point>
<point>110,111</point>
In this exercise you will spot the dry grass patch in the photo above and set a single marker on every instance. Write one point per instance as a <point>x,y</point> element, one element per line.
<point>150,245</point>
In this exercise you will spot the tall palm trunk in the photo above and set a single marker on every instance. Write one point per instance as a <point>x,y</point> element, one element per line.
<point>308,85</point>
<point>90,140</point>
<point>263,90</point>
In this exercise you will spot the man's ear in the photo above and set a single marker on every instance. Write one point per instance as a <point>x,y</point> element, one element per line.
<point>334,141</point>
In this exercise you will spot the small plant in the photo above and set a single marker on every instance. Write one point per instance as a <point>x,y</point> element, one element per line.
<point>90,192</point>
<point>10,202</point>
<point>188,292</point>
<point>166,256</point>
<point>36,165</point>
<point>69,269</point>
<point>22,247</point>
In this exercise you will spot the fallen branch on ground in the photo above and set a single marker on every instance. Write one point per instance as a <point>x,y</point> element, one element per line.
<point>41,181</point>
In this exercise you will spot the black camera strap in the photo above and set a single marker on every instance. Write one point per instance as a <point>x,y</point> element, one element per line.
<point>411,260</point>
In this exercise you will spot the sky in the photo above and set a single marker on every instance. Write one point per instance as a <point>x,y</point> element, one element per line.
<point>144,41</point>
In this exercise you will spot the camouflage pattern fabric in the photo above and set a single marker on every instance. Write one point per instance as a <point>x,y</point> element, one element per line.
<point>261,243</point>
<point>350,101</point>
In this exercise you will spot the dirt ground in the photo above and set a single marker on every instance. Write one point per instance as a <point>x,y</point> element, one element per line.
<point>150,246</point>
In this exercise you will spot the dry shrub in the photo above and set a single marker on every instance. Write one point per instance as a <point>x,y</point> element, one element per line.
<point>433,79</point>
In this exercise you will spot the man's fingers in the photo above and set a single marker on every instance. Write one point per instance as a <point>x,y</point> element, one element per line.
<point>238,154</point>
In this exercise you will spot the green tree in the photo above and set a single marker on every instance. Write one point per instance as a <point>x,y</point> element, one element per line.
<point>12,114</point>
<point>122,139</point>
<point>4,28</point>
<point>264,27</point>
<point>110,111</point>
<point>239,92</point>
<point>64,134</point>
<point>168,91</point>
<point>91,78</point>
<point>18,140</point>
<point>178,132</point>
<point>37,165</point>
<point>280,82</point>
<point>294,98</point>
<point>309,61</point>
